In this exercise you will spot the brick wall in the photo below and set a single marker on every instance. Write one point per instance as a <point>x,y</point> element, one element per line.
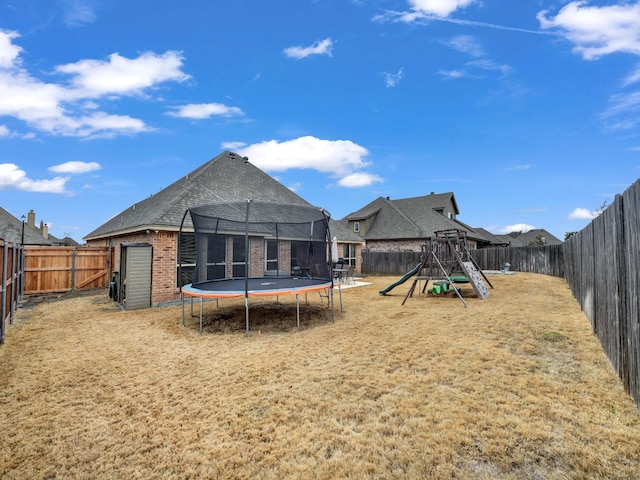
<point>164,267</point>
<point>395,245</point>
<point>164,264</point>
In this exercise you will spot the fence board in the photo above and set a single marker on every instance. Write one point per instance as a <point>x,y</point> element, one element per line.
<point>64,269</point>
<point>10,255</point>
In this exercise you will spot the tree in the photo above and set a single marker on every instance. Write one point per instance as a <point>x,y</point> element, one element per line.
<point>598,211</point>
<point>538,242</point>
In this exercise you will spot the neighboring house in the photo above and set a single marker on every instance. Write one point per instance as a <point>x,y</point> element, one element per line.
<point>155,221</point>
<point>24,231</point>
<point>534,237</point>
<point>494,241</point>
<point>407,224</point>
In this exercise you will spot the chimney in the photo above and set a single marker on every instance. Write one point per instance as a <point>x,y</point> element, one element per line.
<point>44,228</point>
<point>31,218</point>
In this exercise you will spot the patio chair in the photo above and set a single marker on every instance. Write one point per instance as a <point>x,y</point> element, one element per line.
<point>348,277</point>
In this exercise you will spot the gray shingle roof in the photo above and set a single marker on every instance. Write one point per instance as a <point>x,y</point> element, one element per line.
<point>343,233</point>
<point>227,177</point>
<point>524,239</point>
<point>11,231</point>
<point>407,218</point>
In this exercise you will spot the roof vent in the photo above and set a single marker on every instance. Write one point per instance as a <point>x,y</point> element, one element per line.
<point>246,159</point>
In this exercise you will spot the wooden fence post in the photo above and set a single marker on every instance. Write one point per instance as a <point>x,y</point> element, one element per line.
<point>5,255</point>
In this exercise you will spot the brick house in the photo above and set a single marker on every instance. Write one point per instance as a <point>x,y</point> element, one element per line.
<point>152,225</point>
<point>404,225</point>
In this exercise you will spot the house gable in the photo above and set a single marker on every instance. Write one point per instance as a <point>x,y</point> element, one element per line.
<point>405,219</point>
<point>227,177</point>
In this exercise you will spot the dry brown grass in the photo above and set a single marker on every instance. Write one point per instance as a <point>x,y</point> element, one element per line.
<point>512,387</point>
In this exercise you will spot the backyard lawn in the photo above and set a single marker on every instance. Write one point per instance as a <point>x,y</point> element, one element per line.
<point>514,386</point>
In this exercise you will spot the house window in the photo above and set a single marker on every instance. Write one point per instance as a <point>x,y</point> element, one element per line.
<point>239,262</point>
<point>450,215</point>
<point>294,255</point>
<point>271,255</point>
<point>216,257</point>
<point>356,227</point>
<point>186,258</point>
<point>349,254</point>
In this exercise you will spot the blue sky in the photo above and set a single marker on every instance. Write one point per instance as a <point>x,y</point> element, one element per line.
<point>528,111</point>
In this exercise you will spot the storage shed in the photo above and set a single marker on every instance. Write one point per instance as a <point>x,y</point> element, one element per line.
<point>135,275</point>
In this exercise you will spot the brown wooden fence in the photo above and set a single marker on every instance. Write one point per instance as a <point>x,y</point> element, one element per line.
<point>9,280</point>
<point>547,259</point>
<point>388,263</point>
<point>602,269</point>
<point>66,269</point>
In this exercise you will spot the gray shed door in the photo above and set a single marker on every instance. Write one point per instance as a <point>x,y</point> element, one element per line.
<point>138,277</point>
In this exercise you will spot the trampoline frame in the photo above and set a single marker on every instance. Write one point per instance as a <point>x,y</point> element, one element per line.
<point>193,292</point>
<point>307,284</point>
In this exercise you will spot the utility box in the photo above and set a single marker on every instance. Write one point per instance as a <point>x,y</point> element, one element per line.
<point>134,289</point>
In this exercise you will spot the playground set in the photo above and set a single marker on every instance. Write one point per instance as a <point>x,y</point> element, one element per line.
<point>446,263</point>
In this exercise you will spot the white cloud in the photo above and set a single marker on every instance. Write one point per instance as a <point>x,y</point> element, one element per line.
<point>623,112</point>
<point>70,109</point>
<point>518,227</point>
<point>597,31</point>
<point>320,47</point>
<point>78,12</point>
<point>233,146</point>
<point>4,131</point>
<point>75,167</point>
<point>123,76</point>
<point>466,44</point>
<point>342,159</point>
<point>439,8</point>
<point>489,65</point>
<point>523,166</point>
<point>632,78</point>
<point>295,186</point>
<point>392,79</point>
<point>470,46</point>
<point>205,110</point>
<point>9,52</point>
<point>454,74</point>
<point>12,177</point>
<point>582,214</point>
<point>359,179</point>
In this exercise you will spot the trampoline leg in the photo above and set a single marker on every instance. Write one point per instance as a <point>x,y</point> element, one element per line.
<point>331,302</point>
<point>200,315</point>
<point>298,310</point>
<point>182,300</point>
<point>246,315</point>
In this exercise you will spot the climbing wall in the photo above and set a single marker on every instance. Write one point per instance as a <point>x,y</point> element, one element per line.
<point>475,279</point>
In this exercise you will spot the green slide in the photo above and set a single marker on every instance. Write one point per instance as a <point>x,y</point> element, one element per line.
<point>406,277</point>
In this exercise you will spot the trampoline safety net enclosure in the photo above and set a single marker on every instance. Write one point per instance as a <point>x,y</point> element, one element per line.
<point>250,248</point>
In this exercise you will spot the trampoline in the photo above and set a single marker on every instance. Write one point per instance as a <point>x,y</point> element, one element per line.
<point>258,249</point>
